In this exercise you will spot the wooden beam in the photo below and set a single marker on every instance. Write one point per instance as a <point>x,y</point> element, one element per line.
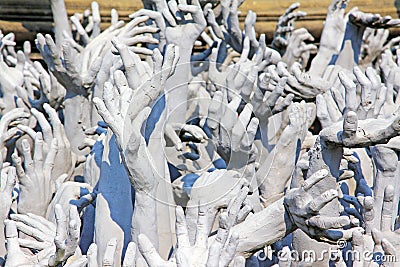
<point>27,17</point>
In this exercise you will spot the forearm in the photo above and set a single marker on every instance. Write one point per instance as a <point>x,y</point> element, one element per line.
<point>144,219</point>
<point>263,228</point>
<point>61,23</point>
<point>321,61</point>
<point>76,120</point>
<point>3,250</point>
<point>275,172</point>
<point>177,87</point>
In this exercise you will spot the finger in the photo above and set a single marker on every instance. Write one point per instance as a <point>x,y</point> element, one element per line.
<point>136,139</point>
<point>313,179</point>
<point>230,115</point>
<point>88,79</point>
<point>373,77</point>
<point>276,93</point>
<point>318,203</point>
<point>26,152</point>
<point>388,248</point>
<point>281,42</point>
<point>284,30</point>
<point>96,19</point>
<point>148,251</point>
<point>22,178</point>
<point>240,127</point>
<point>182,235</point>
<point>54,119</point>
<point>283,103</point>
<point>171,58</point>
<point>33,244</point>
<point>350,123</point>
<point>214,111</point>
<point>50,159</point>
<point>12,243</point>
<point>170,133</point>
<point>168,17</point>
<point>44,125</point>
<point>387,209</point>
<point>130,254</point>
<point>366,86</point>
<point>61,227</point>
<point>29,131</point>
<point>196,131</point>
<point>237,203</point>
<point>107,116</point>
<point>10,117</point>
<point>251,132</point>
<point>173,7</point>
<point>214,255</point>
<point>109,99</point>
<point>350,87</point>
<point>311,48</point>
<point>258,58</point>
<point>322,111</point>
<point>380,100</point>
<point>338,97</point>
<point>46,228</point>
<point>120,81</point>
<point>33,232</point>
<point>130,60</point>
<point>82,32</point>
<point>243,213</point>
<point>228,253</point>
<point>11,180</point>
<point>325,222</point>
<point>49,226</point>
<point>109,254</point>
<point>92,255</point>
<point>114,16</point>
<point>202,227</point>
<point>141,39</point>
<point>145,29</point>
<point>291,8</point>
<point>245,51</point>
<point>38,155</point>
<point>87,142</point>
<point>133,24</point>
<point>195,11</point>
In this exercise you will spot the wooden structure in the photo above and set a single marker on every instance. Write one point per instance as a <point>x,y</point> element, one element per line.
<point>27,17</point>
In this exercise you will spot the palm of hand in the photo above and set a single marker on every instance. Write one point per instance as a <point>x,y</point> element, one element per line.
<point>183,35</point>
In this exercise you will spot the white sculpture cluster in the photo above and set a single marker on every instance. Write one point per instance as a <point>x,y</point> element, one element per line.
<point>126,146</point>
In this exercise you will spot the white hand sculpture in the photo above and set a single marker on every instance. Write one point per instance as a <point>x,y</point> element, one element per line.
<point>35,181</point>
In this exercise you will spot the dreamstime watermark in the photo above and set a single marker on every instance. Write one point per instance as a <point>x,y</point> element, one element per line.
<point>331,254</point>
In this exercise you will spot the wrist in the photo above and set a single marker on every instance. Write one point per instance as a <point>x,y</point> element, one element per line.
<point>264,228</point>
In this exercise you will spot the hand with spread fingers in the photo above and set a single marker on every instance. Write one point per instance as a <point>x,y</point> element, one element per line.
<point>34,176</point>
<point>67,235</point>
<point>303,210</point>
<point>15,254</point>
<point>285,27</point>
<point>109,259</point>
<point>297,50</point>
<point>6,200</point>
<point>187,254</point>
